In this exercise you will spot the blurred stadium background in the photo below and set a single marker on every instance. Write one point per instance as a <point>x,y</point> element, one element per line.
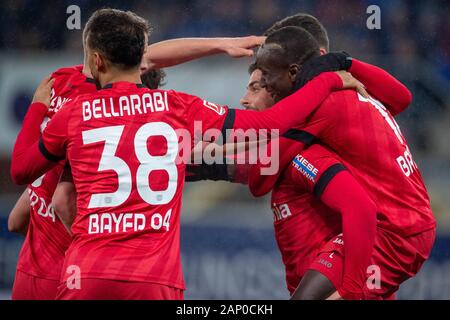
<point>228,246</point>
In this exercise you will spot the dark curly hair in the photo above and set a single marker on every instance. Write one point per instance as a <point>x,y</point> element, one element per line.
<point>153,79</point>
<point>118,35</point>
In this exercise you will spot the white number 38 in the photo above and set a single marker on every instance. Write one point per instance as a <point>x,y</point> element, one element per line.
<point>148,163</point>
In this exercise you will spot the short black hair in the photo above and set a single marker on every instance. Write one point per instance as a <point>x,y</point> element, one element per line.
<point>153,79</point>
<point>252,67</point>
<point>118,35</point>
<point>298,45</point>
<point>307,22</point>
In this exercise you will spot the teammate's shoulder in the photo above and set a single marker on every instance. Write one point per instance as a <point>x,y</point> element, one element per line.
<point>179,94</point>
<point>67,71</point>
<point>83,96</point>
<point>342,95</point>
<point>181,97</point>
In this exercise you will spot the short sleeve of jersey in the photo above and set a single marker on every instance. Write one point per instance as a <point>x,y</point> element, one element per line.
<point>204,116</point>
<point>54,137</point>
<point>312,169</point>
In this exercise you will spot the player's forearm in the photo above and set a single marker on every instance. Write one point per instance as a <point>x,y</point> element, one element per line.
<point>28,163</point>
<point>19,217</point>
<point>234,165</point>
<point>345,195</point>
<point>383,86</point>
<point>172,52</point>
<point>292,110</point>
<point>176,51</point>
<point>64,202</point>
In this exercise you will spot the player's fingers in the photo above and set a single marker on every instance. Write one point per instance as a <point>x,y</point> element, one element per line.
<point>362,90</point>
<point>47,79</point>
<point>240,52</point>
<point>258,40</point>
<point>47,86</point>
<point>247,52</point>
<point>44,82</point>
<point>51,82</point>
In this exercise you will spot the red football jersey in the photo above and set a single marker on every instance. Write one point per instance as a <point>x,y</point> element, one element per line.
<point>303,224</point>
<point>47,239</point>
<point>368,140</point>
<point>124,144</point>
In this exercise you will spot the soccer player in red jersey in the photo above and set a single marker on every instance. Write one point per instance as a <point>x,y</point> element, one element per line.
<point>303,219</point>
<point>49,202</point>
<point>40,260</point>
<point>301,238</point>
<point>123,150</point>
<point>371,146</point>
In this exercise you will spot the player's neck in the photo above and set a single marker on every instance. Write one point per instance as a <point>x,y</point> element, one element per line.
<point>86,71</point>
<point>132,76</point>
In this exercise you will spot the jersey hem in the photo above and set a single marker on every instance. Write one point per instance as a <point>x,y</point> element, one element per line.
<point>133,279</point>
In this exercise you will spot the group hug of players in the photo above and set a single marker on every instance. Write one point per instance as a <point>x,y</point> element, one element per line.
<point>352,217</point>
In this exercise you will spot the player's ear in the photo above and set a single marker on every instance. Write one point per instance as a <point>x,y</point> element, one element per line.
<point>293,71</point>
<point>99,61</point>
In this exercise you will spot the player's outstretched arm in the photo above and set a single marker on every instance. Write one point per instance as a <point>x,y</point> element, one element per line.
<point>383,86</point>
<point>19,217</point>
<point>232,171</point>
<point>28,163</point>
<point>346,196</point>
<point>176,51</point>
<point>294,109</point>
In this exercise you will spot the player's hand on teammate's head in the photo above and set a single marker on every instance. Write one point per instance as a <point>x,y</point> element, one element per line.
<point>242,46</point>
<point>44,91</point>
<point>349,82</point>
<point>332,61</point>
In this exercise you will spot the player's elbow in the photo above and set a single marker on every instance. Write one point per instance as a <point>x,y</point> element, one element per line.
<point>408,97</point>
<point>404,100</point>
<point>15,226</point>
<point>18,175</point>
<point>12,226</point>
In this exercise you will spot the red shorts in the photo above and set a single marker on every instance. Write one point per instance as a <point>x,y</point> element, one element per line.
<point>28,287</point>
<point>103,289</point>
<point>395,259</point>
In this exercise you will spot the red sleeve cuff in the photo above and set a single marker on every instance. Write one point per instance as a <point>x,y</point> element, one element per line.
<point>38,107</point>
<point>355,64</point>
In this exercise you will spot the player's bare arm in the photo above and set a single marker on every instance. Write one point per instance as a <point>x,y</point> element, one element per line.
<point>225,171</point>
<point>176,51</point>
<point>19,217</point>
<point>64,200</point>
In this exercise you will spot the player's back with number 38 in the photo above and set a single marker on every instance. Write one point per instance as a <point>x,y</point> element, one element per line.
<point>122,144</point>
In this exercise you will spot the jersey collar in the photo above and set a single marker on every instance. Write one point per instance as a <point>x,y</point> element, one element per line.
<point>123,85</point>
